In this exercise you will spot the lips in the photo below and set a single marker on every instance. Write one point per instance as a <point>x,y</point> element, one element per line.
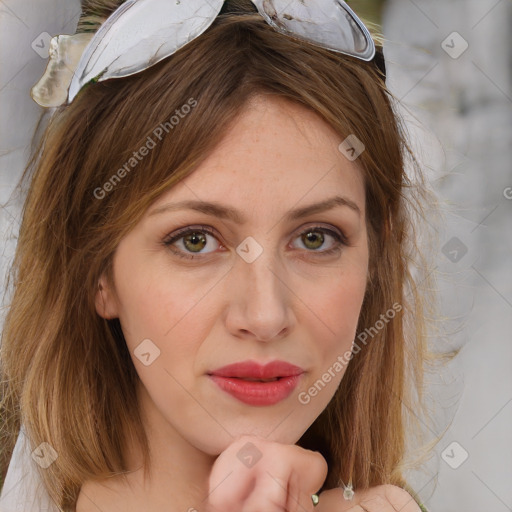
<point>253,371</point>
<point>256,384</point>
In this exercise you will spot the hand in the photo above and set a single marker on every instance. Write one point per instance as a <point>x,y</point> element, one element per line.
<point>255,475</point>
<point>382,498</point>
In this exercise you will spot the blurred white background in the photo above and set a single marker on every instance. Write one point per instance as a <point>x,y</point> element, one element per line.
<point>450,63</point>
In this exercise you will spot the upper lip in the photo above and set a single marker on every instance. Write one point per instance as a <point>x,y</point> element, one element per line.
<point>255,370</point>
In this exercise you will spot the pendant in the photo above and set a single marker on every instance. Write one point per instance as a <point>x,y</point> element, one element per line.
<point>348,492</point>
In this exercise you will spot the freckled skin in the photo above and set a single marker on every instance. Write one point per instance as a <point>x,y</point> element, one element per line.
<point>291,303</point>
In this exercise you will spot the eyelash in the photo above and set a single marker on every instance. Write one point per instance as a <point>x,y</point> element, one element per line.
<point>340,240</point>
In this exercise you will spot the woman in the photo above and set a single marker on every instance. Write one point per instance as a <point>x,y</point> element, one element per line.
<point>211,308</point>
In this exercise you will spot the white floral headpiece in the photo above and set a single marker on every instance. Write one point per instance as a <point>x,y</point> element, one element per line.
<point>140,33</point>
<point>65,53</point>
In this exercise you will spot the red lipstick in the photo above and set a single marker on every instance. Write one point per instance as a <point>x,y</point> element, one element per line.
<point>256,384</point>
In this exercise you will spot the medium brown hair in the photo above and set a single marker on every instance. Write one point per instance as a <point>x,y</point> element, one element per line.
<point>66,372</point>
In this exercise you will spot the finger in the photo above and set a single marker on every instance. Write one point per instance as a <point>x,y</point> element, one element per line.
<point>301,473</point>
<point>312,469</point>
<point>227,490</point>
<point>293,501</point>
<point>282,495</point>
<point>305,503</point>
<point>269,494</point>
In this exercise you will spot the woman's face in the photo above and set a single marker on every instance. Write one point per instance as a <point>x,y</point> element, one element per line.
<point>260,274</point>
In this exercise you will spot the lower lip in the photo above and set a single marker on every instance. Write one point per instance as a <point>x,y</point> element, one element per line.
<point>257,393</point>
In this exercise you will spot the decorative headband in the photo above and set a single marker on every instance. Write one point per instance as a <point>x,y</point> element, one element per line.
<point>140,33</point>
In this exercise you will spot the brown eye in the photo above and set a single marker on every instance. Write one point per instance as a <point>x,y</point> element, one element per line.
<point>312,239</point>
<point>315,238</point>
<point>194,242</point>
<point>191,241</point>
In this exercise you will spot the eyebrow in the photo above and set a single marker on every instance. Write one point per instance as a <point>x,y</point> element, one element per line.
<point>224,212</point>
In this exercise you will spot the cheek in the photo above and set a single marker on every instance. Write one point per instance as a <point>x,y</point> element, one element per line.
<point>336,308</point>
<point>338,304</point>
<point>338,295</point>
<point>159,317</point>
<point>162,306</point>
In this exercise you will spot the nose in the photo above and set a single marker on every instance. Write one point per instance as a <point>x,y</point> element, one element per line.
<point>259,300</point>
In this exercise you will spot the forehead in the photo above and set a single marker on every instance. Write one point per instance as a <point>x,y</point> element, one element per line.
<point>276,156</point>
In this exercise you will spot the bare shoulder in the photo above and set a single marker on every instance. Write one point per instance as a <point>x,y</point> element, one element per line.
<point>332,500</point>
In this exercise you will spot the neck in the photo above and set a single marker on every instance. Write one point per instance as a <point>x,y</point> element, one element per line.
<point>178,471</point>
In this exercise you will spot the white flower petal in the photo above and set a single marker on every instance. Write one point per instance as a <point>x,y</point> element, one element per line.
<point>65,52</point>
